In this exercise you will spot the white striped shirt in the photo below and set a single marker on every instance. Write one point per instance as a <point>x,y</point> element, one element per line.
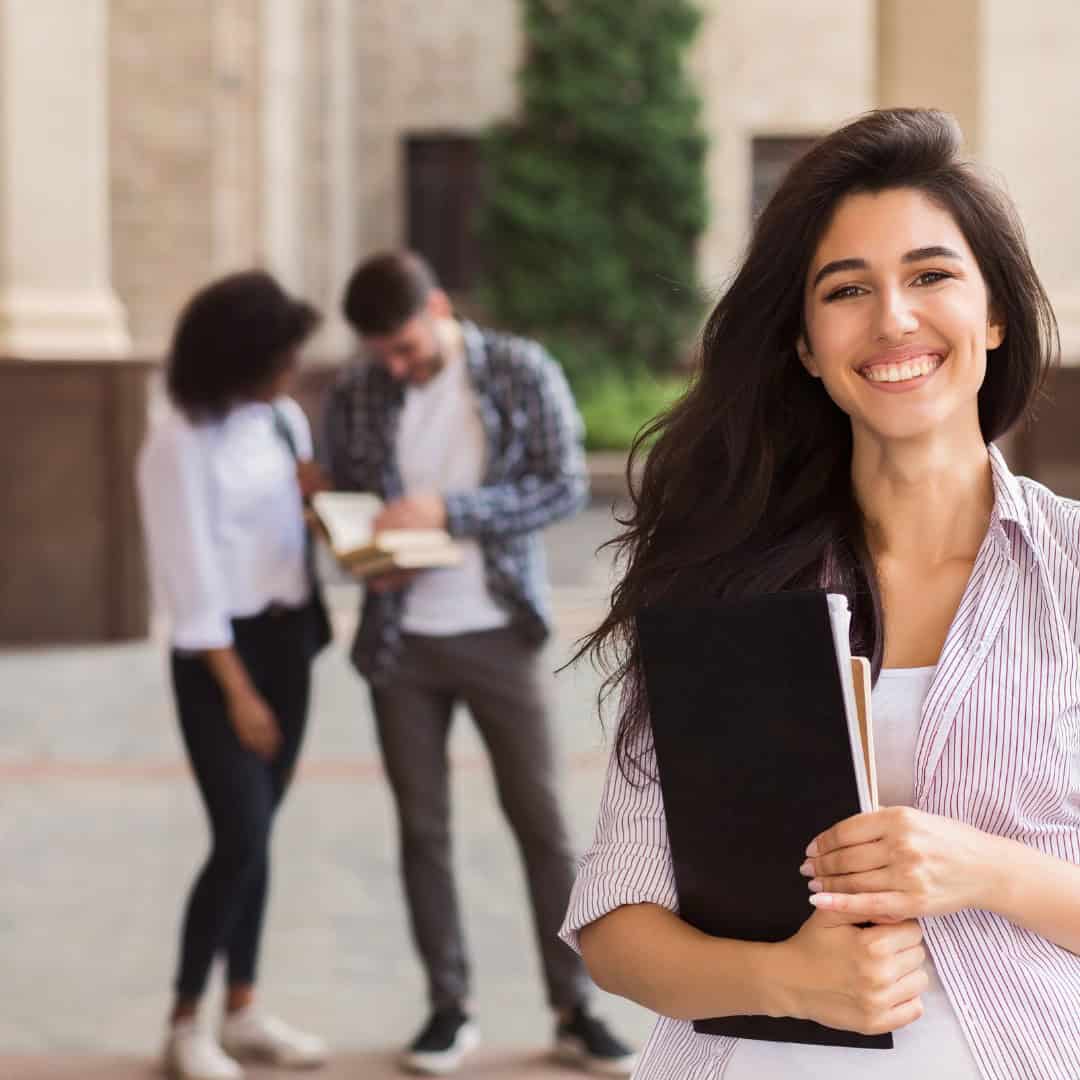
<point>998,748</point>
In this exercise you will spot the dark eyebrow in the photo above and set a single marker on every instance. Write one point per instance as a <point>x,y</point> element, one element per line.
<point>936,251</point>
<point>838,266</point>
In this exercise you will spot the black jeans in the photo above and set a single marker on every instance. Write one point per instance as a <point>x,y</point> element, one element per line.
<point>241,790</point>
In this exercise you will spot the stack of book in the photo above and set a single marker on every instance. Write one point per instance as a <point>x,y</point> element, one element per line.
<point>345,520</point>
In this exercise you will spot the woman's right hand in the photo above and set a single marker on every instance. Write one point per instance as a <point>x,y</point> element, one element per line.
<point>254,722</point>
<point>864,979</point>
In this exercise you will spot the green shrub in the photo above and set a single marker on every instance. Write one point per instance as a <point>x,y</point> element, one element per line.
<point>616,406</point>
<point>595,194</point>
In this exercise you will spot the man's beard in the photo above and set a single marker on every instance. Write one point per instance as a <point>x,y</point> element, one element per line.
<point>428,368</point>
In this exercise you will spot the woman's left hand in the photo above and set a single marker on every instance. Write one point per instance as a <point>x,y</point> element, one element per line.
<point>898,863</point>
<point>312,478</point>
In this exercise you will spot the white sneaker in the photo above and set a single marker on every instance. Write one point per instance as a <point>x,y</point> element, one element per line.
<point>192,1053</point>
<point>253,1036</point>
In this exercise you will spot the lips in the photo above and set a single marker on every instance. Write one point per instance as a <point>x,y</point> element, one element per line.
<point>912,364</point>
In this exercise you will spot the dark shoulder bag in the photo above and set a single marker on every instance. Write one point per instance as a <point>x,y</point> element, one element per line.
<point>321,619</point>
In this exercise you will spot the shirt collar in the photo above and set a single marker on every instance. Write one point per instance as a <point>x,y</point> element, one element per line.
<point>1009,502</point>
<point>475,353</point>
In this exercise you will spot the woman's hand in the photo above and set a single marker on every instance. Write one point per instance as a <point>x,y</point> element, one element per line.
<point>312,478</point>
<point>855,979</point>
<point>254,722</point>
<point>898,863</point>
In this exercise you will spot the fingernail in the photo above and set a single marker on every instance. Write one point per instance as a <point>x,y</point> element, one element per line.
<point>807,869</point>
<point>821,899</point>
<point>812,849</point>
<point>815,886</point>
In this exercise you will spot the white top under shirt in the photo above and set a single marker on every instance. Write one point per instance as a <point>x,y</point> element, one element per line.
<point>440,448</point>
<point>223,518</point>
<point>934,1046</point>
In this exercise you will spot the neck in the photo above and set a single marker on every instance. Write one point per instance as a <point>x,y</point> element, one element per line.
<point>451,339</point>
<point>926,500</point>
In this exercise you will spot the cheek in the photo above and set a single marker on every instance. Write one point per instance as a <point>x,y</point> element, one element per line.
<point>836,339</point>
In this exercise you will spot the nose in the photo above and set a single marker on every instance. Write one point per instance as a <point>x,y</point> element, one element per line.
<point>896,316</point>
<point>398,367</point>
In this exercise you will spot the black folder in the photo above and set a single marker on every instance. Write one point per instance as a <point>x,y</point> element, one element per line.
<point>754,760</point>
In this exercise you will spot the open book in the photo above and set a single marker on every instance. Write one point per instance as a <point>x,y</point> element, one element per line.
<point>344,519</point>
<point>761,723</point>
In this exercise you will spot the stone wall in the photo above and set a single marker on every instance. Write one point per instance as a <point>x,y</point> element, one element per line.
<point>772,68</point>
<point>1031,108</point>
<point>424,68</point>
<point>183,152</point>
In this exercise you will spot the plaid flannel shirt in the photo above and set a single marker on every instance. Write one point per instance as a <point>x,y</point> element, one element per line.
<point>534,475</point>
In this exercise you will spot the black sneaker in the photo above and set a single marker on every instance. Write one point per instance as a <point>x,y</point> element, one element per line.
<point>585,1041</point>
<point>443,1043</point>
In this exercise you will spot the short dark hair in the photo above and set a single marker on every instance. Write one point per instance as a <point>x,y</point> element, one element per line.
<point>231,337</point>
<point>386,291</point>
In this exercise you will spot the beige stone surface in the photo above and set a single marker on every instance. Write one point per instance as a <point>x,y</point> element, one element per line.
<point>378,1065</point>
<point>56,300</point>
<point>772,68</point>
<point>272,131</point>
<point>929,54</point>
<point>184,146</point>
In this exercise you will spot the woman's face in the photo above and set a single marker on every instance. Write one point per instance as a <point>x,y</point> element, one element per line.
<point>897,317</point>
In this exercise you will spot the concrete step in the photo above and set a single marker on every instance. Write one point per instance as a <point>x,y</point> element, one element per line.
<point>488,1064</point>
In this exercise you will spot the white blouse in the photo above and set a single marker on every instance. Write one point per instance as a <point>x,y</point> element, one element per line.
<point>223,518</point>
<point>934,1046</point>
<point>997,747</point>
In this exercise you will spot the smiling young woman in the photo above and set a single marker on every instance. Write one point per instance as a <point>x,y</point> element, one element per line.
<point>886,326</point>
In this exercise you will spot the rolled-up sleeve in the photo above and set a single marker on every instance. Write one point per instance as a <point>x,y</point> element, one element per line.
<point>175,504</point>
<point>629,861</point>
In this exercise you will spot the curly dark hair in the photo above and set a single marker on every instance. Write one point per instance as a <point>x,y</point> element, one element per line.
<point>747,489</point>
<point>232,337</point>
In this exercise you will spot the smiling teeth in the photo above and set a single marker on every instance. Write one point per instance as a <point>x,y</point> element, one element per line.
<point>909,369</point>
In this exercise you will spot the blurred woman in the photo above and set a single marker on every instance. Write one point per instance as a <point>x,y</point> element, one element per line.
<point>221,484</point>
<point>885,327</point>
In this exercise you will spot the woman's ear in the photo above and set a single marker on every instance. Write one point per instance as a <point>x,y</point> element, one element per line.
<point>806,357</point>
<point>995,330</point>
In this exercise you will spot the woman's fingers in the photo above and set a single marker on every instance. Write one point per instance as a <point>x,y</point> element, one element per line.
<point>851,860</point>
<point>874,881</point>
<point>910,960</point>
<point>910,986</point>
<point>872,906</point>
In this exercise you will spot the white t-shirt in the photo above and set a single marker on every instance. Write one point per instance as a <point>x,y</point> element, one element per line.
<point>440,448</point>
<point>224,518</point>
<point>935,1045</point>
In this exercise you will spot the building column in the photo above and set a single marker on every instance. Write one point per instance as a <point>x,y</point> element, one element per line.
<point>343,193</point>
<point>56,299</point>
<point>930,56</point>
<point>1008,74</point>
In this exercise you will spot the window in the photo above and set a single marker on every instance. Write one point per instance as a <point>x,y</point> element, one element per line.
<point>773,155</point>
<point>443,178</point>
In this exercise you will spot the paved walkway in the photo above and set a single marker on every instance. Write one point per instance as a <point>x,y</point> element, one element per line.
<point>100,832</point>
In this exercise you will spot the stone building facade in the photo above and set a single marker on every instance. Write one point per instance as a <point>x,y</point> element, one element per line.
<point>153,144</point>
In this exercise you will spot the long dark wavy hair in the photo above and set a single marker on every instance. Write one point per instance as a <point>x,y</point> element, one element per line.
<point>747,487</point>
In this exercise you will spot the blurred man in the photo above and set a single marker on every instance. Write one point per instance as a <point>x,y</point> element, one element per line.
<point>475,432</point>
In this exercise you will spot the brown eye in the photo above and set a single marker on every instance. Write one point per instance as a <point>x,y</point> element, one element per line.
<point>843,293</point>
<point>931,277</point>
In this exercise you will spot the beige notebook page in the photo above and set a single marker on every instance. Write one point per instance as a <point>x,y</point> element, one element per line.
<point>860,676</point>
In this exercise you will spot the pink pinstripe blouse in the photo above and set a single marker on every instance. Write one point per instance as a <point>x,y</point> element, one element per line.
<point>998,747</point>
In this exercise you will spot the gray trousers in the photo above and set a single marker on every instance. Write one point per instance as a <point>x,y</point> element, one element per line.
<point>502,681</point>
